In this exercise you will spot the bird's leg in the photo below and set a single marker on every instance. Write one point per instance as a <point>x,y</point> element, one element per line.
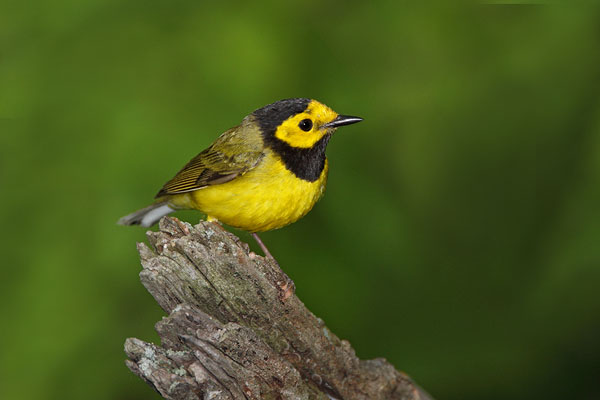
<point>263,247</point>
<point>213,220</point>
<point>287,286</point>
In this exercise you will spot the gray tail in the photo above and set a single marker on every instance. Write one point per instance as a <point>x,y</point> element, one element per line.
<point>147,216</point>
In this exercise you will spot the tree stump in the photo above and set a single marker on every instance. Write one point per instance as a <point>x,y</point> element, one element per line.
<point>236,330</point>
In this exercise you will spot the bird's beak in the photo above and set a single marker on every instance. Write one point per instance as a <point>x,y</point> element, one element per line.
<point>342,120</point>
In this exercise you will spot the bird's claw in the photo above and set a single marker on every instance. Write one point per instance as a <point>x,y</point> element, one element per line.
<point>287,288</point>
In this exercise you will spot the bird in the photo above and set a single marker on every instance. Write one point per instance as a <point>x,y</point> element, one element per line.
<point>263,174</point>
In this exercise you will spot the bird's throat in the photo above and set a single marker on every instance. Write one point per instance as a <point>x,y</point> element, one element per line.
<point>305,163</point>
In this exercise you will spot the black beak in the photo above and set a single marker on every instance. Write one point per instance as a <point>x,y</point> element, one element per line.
<point>342,120</point>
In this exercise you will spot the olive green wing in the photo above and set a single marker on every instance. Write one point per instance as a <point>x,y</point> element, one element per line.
<point>234,153</point>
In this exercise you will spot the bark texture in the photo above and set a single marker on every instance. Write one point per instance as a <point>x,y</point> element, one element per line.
<point>236,330</point>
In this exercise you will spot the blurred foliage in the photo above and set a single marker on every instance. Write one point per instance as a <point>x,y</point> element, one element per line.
<point>459,234</point>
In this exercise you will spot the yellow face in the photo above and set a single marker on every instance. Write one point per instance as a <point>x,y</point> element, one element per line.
<point>305,129</point>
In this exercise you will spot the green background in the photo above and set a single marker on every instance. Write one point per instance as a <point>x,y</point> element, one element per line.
<point>459,233</point>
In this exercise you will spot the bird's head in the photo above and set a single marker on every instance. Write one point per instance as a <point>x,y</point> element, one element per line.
<point>300,123</point>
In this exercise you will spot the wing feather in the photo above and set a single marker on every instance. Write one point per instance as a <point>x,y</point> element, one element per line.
<point>234,153</point>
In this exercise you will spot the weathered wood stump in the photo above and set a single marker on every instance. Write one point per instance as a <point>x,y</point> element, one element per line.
<point>236,330</point>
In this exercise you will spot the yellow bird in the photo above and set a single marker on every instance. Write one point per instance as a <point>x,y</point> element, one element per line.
<point>263,174</point>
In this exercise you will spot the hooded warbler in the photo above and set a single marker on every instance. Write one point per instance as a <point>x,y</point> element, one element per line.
<point>263,174</point>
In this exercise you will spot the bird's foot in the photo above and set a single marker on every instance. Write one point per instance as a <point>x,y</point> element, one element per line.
<point>287,288</point>
<point>216,223</point>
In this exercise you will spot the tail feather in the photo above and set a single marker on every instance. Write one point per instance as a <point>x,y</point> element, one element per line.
<point>147,216</point>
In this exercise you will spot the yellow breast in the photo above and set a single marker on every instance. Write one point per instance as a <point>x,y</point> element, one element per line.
<point>265,198</point>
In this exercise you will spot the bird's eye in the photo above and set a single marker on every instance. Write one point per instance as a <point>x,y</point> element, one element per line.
<point>306,125</point>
